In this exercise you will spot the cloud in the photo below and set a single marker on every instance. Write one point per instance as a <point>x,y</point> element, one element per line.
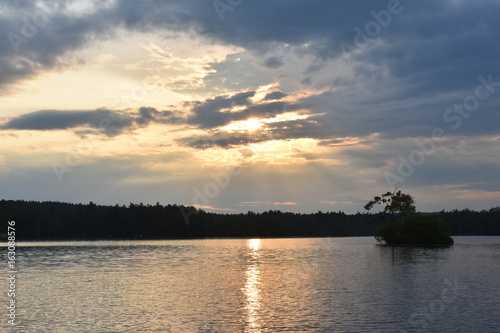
<point>247,153</point>
<point>273,62</point>
<point>306,81</point>
<point>258,203</point>
<point>219,140</point>
<point>108,122</point>
<point>217,111</point>
<point>209,113</point>
<point>39,37</point>
<point>275,95</point>
<point>212,208</point>
<point>61,120</point>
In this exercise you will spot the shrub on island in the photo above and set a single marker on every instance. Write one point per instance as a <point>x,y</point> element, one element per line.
<point>416,230</point>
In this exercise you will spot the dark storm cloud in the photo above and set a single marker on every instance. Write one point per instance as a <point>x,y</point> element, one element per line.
<point>298,129</point>
<point>266,110</point>
<point>108,122</point>
<point>214,112</point>
<point>147,115</point>
<point>275,95</point>
<point>61,120</point>
<point>223,141</point>
<point>209,113</point>
<point>273,62</point>
<point>426,43</point>
<point>306,81</point>
<point>37,38</point>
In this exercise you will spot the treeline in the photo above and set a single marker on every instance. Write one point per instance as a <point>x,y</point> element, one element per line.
<point>57,221</point>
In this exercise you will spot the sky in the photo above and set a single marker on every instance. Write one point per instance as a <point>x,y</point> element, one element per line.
<point>237,105</point>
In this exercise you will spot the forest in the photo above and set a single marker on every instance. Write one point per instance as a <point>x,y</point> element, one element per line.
<point>67,221</point>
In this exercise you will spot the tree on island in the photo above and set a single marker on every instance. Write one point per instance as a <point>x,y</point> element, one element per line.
<point>407,227</point>
<point>396,204</point>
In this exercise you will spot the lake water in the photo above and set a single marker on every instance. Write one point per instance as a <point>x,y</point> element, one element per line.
<point>268,285</point>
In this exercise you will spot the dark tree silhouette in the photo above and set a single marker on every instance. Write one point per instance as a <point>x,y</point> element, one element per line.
<point>58,221</point>
<point>396,204</point>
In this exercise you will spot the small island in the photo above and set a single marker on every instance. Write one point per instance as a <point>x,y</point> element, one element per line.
<point>407,227</point>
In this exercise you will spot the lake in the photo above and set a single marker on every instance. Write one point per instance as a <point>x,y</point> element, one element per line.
<point>255,285</point>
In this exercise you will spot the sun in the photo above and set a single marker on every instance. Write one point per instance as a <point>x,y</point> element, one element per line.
<point>253,124</point>
<point>256,124</point>
<point>248,125</point>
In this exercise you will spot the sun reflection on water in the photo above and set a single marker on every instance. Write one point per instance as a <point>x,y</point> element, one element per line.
<point>251,290</point>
